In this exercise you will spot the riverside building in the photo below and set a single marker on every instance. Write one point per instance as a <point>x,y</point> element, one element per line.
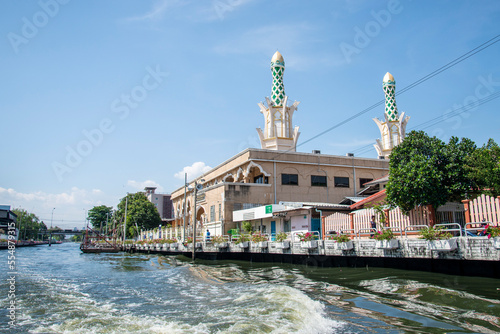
<point>285,182</point>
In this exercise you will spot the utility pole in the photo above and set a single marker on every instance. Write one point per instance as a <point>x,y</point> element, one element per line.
<point>125,220</point>
<point>51,218</point>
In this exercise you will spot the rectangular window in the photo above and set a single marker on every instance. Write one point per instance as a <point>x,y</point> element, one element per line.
<point>290,179</point>
<point>220,212</point>
<point>212,213</point>
<point>318,180</point>
<point>341,182</point>
<point>363,181</point>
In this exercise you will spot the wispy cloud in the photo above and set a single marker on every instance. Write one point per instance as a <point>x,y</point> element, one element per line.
<point>140,185</point>
<point>157,12</point>
<point>215,10</point>
<point>293,40</point>
<point>193,171</point>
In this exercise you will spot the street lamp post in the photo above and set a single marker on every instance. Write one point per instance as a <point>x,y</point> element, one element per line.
<point>51,218</point>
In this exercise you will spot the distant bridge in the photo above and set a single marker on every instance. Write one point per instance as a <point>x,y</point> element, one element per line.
<point>62,232</point>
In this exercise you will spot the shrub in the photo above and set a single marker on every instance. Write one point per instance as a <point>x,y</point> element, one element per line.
<point>308,236</point>
<point>242,238</point>
<point>430,233</point>
<point>218,239</point>
<point>257,237</point>
<point>385,234</point>
<point>492,231</point>
<point>282,236</point>
<point>338,237</point>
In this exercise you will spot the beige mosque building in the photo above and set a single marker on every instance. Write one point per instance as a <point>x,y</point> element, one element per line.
<point>277,188</point>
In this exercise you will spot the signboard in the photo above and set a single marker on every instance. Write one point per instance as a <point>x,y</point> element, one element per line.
<point>269,209</point>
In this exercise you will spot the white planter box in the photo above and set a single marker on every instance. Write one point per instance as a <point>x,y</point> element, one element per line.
<point>166,246</point>
<point>190,245</point>
<point>387,244</point>
<point>344,245</point>
<point>495,242</point>
<point>243,244</point>
<point>309,244</point>
<point>443,245</point>
<point>174,245</point>
<point>221,245</point>
<point>283,245</point>
<point>158,246</point>
<point>262,244</point>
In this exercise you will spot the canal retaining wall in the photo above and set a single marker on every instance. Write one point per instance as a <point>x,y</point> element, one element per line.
<point>470,256</point>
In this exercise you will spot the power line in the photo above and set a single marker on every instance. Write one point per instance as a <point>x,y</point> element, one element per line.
<point>443,68</point>
<point>442,118</point>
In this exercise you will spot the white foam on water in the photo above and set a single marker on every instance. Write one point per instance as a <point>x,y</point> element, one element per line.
<point>273,309</point>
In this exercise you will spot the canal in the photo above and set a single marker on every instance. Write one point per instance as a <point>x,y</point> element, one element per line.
<point>60,290</point>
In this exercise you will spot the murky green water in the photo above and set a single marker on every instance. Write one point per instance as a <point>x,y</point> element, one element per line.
<point>61,290</point>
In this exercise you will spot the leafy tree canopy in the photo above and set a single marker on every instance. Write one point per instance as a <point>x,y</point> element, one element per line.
<point>140,211</point>
<point>424,170</point>
<point>99,215</point>
<point>484,168</point>
<point>28,224</point>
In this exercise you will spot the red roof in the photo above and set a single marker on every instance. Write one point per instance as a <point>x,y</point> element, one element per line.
<point>370,199</point>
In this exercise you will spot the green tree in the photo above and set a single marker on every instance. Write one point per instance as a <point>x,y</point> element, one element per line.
<point>424,170</point>
<point>140,211</point>
<point>484,168</point>
<point>417,172</point>
<point>99,215</point>
<point>460,184</point>
<point>28,224</point>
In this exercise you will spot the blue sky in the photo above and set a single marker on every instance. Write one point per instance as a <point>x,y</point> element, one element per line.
<point>101,98</point>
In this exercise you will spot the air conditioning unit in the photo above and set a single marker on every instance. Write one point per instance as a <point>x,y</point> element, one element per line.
<point>316,152</point>
<point>381,157</point>
<point>350,154</point>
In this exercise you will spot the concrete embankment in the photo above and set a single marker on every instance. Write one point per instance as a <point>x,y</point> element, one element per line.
<point>473,256</point>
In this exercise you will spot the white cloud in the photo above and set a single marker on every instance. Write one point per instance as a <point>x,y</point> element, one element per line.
<point>294,39</point>
<point>193,171</point>
<point>70,206</point>
<point>157,12</point>
<point>139,186</point>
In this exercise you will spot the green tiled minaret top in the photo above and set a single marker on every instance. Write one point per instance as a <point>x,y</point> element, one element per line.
<point>389,85</point>
<point>277,69</point>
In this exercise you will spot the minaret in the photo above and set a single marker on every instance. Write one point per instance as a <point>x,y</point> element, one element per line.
<point>393,129</point>
<point>278,134</point>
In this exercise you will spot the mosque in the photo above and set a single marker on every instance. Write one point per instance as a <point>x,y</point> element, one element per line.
<point>277,188</point>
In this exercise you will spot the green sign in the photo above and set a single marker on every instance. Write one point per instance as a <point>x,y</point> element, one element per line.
<point>269,209</point>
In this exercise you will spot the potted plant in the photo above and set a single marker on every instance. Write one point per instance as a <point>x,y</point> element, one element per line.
<point>342,241</point>
<point>260,240</point>
<point>219,241</point>
<point>282,243</point>
<point>438,239</point>
<point>242,240</point>
<point>308,240</point>
<point>172,243</point>
<point>493,233</point>
<point>385,239</point>
<point>189,243</point>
